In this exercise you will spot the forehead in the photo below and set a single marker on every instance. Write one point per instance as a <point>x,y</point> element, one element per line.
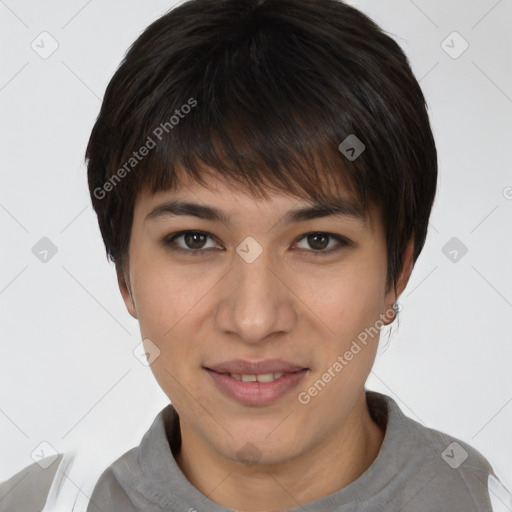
<point>224,201</point>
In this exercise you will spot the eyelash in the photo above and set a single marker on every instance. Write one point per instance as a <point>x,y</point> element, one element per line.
<point>169,242</point>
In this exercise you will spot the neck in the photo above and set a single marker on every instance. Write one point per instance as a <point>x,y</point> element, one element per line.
<point>342,457</point>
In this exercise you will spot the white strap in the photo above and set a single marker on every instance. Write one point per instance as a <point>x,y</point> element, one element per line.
<point>67,490</point>
<point>501,500</point>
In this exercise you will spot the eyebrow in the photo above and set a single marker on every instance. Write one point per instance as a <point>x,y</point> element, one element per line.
<point>337,208</point>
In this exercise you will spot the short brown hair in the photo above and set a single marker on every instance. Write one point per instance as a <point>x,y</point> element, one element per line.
<point>272,87</point>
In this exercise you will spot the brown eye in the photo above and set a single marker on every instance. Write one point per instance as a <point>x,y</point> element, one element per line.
<point>191,242</point>
<point>318,241</point>
<point>322,243</point>
<point>194,240</point>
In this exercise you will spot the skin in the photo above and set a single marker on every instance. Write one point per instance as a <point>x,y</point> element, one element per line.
<point>290,304</point>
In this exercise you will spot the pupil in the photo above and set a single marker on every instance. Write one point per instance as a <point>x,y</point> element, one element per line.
<point>192,238</point>
<point>313,239</point>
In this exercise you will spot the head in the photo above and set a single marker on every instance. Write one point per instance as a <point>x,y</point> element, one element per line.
<point>240,106</point>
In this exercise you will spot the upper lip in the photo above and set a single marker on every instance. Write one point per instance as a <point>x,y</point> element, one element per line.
<point>255,368</point>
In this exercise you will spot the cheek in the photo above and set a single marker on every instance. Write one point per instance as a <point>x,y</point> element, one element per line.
<point>348,300</point>
<point>170,309</point>
<point>163,319</point>
<point>349,303</point>
<point>166,296</point>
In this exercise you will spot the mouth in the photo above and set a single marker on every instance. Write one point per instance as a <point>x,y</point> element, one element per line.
<point>261,377</point>
<point>265,367</point>
<point>256,388</point>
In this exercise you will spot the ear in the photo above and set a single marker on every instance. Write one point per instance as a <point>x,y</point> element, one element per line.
<point>124,287</point>
<point>403,278</point>
<point>407,265</point>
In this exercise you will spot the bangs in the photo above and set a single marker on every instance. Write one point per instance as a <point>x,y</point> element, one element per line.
<point>258,156</point>
<point>255,116</point>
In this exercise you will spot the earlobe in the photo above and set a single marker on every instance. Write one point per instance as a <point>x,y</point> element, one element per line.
<point>124,287</point>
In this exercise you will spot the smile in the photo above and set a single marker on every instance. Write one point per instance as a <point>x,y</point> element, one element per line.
<point>256,389</point>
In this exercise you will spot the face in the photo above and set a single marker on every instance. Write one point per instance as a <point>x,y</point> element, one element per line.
<point>305,296</point>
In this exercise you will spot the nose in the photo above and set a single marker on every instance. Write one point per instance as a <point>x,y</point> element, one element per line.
<point>256,304</point>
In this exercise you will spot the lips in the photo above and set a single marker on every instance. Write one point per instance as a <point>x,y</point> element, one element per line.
<point>240,366</point>
<point>256,383</point>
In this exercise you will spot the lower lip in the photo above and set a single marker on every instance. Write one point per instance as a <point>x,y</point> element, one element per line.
<point>256,393</point>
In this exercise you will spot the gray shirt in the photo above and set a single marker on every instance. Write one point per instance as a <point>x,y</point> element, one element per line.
<point>417,469</point>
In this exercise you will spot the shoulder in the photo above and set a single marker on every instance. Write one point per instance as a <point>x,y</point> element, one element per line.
<point>460,469</point>
<point>43,486</point>
<point>29,488</point>
<point>126,484</point>
<point>110,492</point>
<point>70,481</point>
<point>441,471</point>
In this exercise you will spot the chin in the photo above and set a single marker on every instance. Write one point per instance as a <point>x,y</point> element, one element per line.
<point>257,448</point>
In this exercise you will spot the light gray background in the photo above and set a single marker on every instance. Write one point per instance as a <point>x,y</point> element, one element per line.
<point>68,374</point>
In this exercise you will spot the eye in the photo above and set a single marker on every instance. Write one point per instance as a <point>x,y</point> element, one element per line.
<point>195,242</point>
<point>320,242</point>
<point>192,242</point>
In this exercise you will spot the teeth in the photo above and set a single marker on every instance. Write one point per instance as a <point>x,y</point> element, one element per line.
<point>262,377</point>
